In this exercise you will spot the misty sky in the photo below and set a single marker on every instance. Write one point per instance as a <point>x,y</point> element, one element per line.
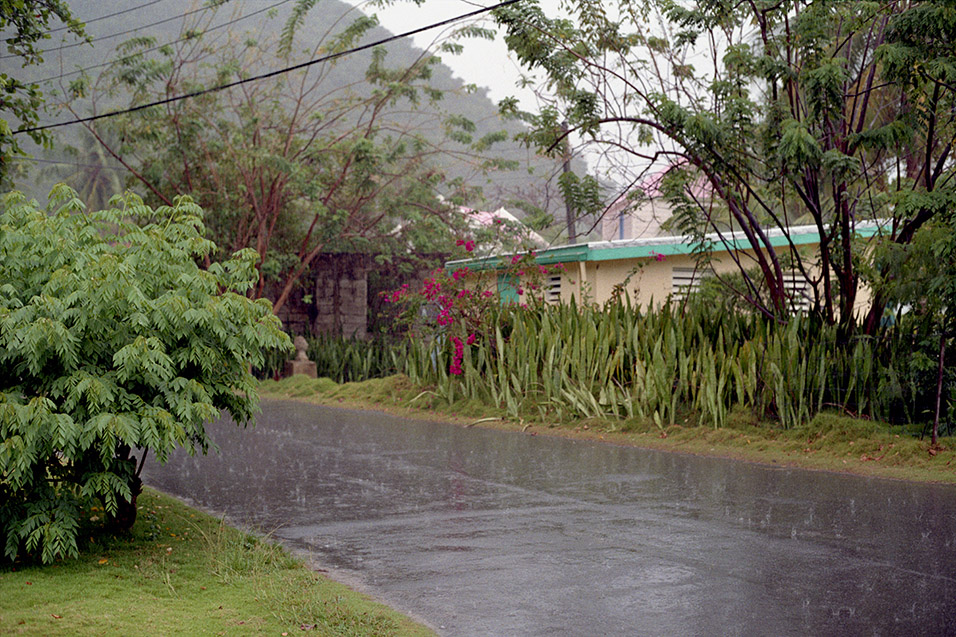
<point>483,62</point>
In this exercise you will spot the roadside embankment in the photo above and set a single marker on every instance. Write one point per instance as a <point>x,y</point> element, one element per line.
<point>829,442</point>
<point>183,572</point>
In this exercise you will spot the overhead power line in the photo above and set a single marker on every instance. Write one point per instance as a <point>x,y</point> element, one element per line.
<point>140,29</point>
<point>288,69</point>
<point>38,160</point>
<point>159,46</point>
<point>108,15</point>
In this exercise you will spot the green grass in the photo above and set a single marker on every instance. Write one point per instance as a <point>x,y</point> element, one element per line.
<point>390,393</point>
<point>829,441</point>
<point>182,572</point>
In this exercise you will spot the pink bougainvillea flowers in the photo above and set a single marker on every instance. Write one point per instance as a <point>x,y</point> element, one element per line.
<point>455,367</point>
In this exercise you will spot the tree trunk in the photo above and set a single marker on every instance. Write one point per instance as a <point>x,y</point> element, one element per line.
<point>874,317</point>
<point>568,210</point>
<point>125,516</point>
<point>939,385</point>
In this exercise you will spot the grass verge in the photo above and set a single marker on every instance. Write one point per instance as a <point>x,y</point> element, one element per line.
<point>182,572</point>
<point>830,442</point>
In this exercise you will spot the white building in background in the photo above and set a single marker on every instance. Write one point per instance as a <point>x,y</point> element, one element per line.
<point>505,228</point>
<point>637,218</point>
<point>642,212</point>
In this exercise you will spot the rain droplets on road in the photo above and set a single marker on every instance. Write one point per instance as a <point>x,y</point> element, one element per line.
<point>480,532</point>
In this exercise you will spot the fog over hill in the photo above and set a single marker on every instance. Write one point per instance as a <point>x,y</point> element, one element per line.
<point>109,25</point>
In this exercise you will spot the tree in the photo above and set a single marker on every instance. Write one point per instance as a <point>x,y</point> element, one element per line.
<point>296,165</point>
<point>113,342</point>
<point>919,282</point>
<point>830,113</point>
<point>23,101</point>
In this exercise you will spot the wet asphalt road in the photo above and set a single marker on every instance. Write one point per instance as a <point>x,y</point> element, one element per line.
<point>481,532</point>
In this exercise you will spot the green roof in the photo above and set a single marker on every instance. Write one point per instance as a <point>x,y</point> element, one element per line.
<point>647,248</point>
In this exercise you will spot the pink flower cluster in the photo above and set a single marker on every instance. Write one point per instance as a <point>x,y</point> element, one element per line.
<point>657,256</point>
<point>396,295</point>
<point>432,289</point>
<point>445,304</point>
<point>518,257</point>
<point>463,304</point>
<point>455,367</point>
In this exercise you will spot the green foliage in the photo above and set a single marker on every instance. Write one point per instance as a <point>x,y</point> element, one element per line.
<point>698,361</point>
<point>918,280</point>
<point>347,360</point>
<point>581,194</point>
<point>112,339</point>
<point>798,148</point>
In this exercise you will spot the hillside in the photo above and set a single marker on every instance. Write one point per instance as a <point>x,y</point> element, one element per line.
<point>534,181</point>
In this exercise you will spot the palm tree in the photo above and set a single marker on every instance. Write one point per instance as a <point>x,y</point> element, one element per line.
<point>89,170</point>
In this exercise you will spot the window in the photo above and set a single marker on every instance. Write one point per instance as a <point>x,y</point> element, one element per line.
<point>552,293</point>
<point>684,281</point>
<point>799,289</point>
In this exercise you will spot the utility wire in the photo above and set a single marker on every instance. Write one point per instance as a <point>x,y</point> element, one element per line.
<point>220,87</point>
<point>104,17</point>
<point>159,46</point>
<point>67,163</point>
<point>138,29</point>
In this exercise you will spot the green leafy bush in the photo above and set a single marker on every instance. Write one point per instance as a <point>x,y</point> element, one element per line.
<point>698,360</point>
<point>347,360</point>
<point>113,340</point>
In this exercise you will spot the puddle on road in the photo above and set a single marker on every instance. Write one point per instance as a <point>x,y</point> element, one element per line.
<point>483,532</point>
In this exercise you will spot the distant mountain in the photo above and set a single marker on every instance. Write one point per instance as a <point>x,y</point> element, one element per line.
<point>534,181</point>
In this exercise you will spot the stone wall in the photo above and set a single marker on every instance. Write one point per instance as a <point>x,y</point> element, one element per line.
<point>341,295</point>
<point>338,284</point>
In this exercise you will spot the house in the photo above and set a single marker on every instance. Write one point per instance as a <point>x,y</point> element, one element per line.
<point>652,269</point>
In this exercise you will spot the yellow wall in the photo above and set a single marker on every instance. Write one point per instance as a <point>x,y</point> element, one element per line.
<point>646,280</point>
<point>650,280</point>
